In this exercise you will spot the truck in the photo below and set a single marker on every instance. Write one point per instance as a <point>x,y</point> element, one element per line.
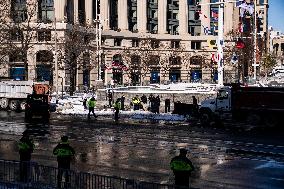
<point>13,94</point>
<point>252,105</point>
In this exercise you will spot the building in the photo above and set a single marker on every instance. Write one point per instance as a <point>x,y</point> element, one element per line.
<point>124,23</point>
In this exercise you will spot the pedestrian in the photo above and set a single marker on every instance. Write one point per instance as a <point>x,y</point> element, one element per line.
<point>167,105</point>
<point>144,99</point>
<point>157,104</point>
<point>92,103</point>
<point>136,103</point>
<point>26,148</point>
<point>122,100</point>
<point>109,95</point>
<point>85,100</point>
<point>151,102</point>
<point>117,107</point>
<point>195,105</point>
<point>64,153</point>
<point>182,168</point>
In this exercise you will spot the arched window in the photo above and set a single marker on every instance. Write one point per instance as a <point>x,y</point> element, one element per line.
<point>175,60</point>
<point>196,60</point>
<point>44,60</point>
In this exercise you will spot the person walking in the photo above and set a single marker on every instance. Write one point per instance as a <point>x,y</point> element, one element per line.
<point>92,103</point>
<point>182,168</point>
<point>167,105</point>
<point>151,102</point>
<point>64,153</point>
<point>85,100</point>
<point>157,104</point>
<point>195,106</point>
<point>117,107</point>
<point>109,95</point>
<point>122,100</point>
<point>26,148</point>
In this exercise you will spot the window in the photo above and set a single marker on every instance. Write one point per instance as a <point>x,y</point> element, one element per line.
<point>135,43</point>
<point>44,35</point>
<point>196,60</point>
<point>16,57</point>
<point>175,60</point>
<point>155,44</point>
<point>195,45</point>
<point>261,2</point>
<point>193,2</point>
<point>175,44</point>
<point>16,34</point>
<point>81,11</point>
<point>282,46</point>
<point>46,11</point>
<point>19,10</point>
<point>117,42</point>
<point>17,73</point>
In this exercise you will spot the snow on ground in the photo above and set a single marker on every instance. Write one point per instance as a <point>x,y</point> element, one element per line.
<point>74,106</point>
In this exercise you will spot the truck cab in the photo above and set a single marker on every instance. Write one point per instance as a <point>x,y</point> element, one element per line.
<point>218,106</point>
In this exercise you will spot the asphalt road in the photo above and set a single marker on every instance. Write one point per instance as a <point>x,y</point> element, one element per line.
<point>228,157</point>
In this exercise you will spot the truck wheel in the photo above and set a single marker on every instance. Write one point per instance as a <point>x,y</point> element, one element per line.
<point>4,102</point>
<point>22,105</point>
<point>253,119</point>
<point>14,105</point>
<point>205,118</point>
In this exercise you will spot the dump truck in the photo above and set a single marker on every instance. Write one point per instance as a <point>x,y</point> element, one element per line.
<point>13,94</point>
<point>252,105</point>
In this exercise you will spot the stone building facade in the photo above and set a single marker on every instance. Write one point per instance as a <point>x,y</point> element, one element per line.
<point>124,24</point>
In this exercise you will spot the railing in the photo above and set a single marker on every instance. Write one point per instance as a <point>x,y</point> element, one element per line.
<point>15,174</point>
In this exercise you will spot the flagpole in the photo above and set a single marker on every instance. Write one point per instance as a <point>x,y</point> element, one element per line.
<point>220,44</point>
<point>255,43</point>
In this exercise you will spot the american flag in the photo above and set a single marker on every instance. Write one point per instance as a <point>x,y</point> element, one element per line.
<point>214,15</point>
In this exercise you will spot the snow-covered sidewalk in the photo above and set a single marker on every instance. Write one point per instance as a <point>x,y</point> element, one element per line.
<point>73,106</point>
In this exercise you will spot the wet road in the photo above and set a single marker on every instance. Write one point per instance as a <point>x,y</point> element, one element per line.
<point>225,158</point>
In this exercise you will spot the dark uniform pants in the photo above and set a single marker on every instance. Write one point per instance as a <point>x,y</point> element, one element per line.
<point>25,171</point>
<point>63,169</point>
<point>116,114</point>
<point>182,180</point>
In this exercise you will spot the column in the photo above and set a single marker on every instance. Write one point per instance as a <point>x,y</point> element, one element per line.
<point>205,16</point>
<point>60,6</point>
<point>105,14</point>
<point>76,11</point>
<point>162,16</point>
<point>31,60</point>
<point>183,17</point>
<point>228,25</point>
<point>89,11</point>
<point>142,15</point>
<point>122,14</point>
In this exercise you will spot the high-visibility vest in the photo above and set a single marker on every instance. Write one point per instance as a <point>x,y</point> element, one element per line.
<point>180,165</point>
<point>91,103</point>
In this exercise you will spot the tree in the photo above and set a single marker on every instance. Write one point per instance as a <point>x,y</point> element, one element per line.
<point>268,63</point>
<point>18,29</point>
<point>76,48</point>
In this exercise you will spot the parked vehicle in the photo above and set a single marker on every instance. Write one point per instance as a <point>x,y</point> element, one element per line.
<point>254,105</point>
<point>13,94</point>
<point>37,105</point>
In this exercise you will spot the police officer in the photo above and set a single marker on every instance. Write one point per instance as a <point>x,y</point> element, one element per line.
<point>136,103</point>
<point>26,148</point>
<point>117,107</point>
<point>92,103</point>
<point>182,168</point>
<point>64,153</point>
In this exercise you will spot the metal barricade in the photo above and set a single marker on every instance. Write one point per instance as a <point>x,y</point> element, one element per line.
<point>45,177</point>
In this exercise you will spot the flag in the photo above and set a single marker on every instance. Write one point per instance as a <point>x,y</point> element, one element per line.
<point>214,57</point>
<point>206,30</point>
<point>240,44</point>
<point>234,59</point>
<point>214,15</point>
<point>200,13</point>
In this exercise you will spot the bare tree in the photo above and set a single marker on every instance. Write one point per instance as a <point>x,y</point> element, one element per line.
<point>18,29</point>
<point>77,41</point>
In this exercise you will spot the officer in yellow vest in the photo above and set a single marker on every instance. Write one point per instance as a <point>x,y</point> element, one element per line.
<point>117,107</point>
<point>92,103</point>
<point>182,168</point>
<point>64,153</point>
